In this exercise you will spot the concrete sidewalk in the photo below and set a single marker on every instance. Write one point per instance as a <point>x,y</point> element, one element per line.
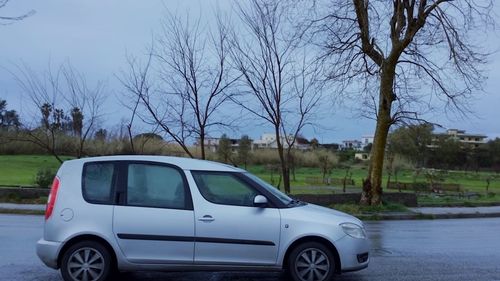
<point>456,210</point>
<point>437,213</point>
<point>24,207</point>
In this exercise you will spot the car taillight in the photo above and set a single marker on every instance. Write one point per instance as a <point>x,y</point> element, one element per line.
<point>52,198</point>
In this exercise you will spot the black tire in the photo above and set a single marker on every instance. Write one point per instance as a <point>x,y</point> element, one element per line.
<point>311,258</point>
<point>88,258</point>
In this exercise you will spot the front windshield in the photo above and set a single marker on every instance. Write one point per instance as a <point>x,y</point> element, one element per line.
<point>280,195</point>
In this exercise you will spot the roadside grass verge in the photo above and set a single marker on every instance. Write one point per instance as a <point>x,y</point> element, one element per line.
<point>355,209</point>
<point>12,198</point>
<point>481,199</point>
<point>21,212</point>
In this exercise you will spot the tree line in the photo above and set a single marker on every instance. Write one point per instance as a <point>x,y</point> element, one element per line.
<point>421,147</point>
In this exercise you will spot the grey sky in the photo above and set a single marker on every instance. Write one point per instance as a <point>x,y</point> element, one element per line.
<point>95,35</point>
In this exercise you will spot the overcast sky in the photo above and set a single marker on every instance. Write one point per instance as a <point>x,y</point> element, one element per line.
<point>95,35</point>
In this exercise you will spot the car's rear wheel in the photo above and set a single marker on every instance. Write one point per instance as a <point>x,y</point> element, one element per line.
<point>311,261</point>
<point>86,261</point>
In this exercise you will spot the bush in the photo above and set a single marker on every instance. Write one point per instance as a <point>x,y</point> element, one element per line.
<point>421,186</point>
<point>265,156</point>
<point>44,177</point>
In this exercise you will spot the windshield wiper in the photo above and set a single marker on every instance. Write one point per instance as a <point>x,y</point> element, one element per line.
<point>294,202</point>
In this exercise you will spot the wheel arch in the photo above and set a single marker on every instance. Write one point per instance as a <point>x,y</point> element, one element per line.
<point>87,237</point>
<point>318,239</point>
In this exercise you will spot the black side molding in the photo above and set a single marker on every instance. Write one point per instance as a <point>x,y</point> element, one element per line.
<point>155,237</point>
<point>193,239</point>
<point>234,241</point>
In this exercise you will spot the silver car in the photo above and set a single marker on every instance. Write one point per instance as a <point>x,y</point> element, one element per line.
<point>129,213</point>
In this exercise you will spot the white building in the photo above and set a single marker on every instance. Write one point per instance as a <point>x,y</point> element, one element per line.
<point>466,139</point>
<point>212,144</point>
<point>268,140</point>
<point>367,139</point>
<point>363,156</point>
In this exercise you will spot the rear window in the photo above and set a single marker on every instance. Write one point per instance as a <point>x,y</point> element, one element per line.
<point>156,186</point>
<point>98,182</point>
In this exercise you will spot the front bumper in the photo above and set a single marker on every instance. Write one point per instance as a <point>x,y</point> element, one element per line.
<point>354,253</point>
<point>48,252</point>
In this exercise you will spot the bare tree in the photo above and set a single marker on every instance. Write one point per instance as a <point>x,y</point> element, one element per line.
<point>51,92</point>
<point>405,57</point>
<point>85,104</point>
<point>190,82</point>
<point>4,20</point>
<point>137,83</point>
<point>159,111</point>
<point>130,124</point>
<point>279,78</point>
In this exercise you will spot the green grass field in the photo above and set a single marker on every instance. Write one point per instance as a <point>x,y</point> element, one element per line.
<point>20,170</point>
<point>470,181</point>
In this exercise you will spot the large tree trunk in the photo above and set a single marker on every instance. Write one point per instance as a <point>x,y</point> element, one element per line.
<point>372,185</point>
<point>285,169</point>
<point>286,179</point>
<point>202,143</point>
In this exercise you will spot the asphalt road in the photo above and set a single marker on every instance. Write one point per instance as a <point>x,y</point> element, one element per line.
<point>441,250</point>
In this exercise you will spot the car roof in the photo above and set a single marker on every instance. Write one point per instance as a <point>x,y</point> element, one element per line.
<point>181,162</point>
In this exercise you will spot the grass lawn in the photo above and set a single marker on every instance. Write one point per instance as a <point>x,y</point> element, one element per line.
<point>20,170</point>
<point>480,200</point>
<point>470,181</point>
<point>357,209</point>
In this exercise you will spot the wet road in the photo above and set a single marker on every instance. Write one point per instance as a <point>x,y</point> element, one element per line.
<point>455,250</point>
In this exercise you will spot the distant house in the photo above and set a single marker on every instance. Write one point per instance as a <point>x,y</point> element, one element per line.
<point>366,140</point>
<point>352,145</point>
<point>268,140</point>
<point>362,156</point>
<point>212,144</point>
<point>330,146</point>
<point>467,140</point>
<point>302,143</point>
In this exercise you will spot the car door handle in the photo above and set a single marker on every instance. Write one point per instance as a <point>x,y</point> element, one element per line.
<point>206,218</point>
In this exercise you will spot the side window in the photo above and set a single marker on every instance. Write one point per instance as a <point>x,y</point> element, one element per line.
<point>97,183</point>
<point>224,188</point>
<point>155,186</point>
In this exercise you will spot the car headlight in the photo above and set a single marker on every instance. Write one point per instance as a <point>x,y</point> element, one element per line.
<point>353,230</point>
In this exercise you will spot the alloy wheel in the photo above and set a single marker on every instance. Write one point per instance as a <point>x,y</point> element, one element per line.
<point>312,264</point>
<point>86,264</point>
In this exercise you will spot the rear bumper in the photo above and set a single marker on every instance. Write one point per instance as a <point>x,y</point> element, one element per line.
<point>48,252</point>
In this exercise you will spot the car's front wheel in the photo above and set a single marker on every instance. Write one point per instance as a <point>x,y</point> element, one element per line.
<point>86,261</point>
<point>311,261</point>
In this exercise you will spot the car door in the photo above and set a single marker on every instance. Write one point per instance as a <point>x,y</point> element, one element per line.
<point>154,221</point>
<point>229,229</point>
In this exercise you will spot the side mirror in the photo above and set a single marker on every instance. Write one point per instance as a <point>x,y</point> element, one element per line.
<point>260,201</point>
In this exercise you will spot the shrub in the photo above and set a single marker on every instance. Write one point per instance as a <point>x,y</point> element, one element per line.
<point>265,156</point>
<point>44,177</point>
<point>421,186</point>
